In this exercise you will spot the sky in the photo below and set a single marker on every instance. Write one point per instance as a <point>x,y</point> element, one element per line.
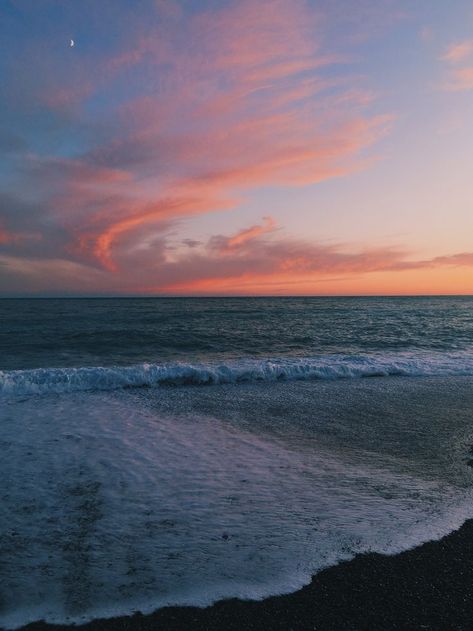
<point>236,147</point>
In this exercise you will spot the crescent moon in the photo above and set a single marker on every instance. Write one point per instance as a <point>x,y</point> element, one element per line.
<point>72,43</point>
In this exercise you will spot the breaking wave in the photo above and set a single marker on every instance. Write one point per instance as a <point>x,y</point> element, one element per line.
<point>407,364</point>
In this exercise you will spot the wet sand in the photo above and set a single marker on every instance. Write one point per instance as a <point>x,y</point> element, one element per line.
<point>428,587</point>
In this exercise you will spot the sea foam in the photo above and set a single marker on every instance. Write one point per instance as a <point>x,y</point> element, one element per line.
<point>116,508</point>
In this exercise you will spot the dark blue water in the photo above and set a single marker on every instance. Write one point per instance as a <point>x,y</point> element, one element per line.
<point>104,332</point>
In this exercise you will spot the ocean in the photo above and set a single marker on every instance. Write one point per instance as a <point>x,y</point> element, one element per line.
<point>179,451</point>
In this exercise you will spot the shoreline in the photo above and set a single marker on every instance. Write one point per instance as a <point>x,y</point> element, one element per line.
<point>427,587</point>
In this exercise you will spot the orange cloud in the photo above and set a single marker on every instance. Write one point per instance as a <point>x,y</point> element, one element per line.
<point>443,281</point>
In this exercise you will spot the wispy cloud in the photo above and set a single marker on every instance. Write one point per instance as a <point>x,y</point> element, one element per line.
<point>458,51</point>
<point>460,77</point>
<point>248,234</point>
<point>234,114</point>
<point>262,256</point>
<point>460,80</point>
<point>198,109</point>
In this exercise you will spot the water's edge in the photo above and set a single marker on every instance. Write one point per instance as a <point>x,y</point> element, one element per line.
<point>316,601</point>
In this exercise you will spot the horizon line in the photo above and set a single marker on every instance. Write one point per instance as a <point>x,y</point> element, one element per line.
<point>220,296</point>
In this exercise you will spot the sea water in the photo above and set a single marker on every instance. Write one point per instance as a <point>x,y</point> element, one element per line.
<point>179,451</point>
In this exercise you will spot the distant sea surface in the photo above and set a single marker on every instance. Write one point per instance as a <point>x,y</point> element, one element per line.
<point>104,332</point>
<point>178,451</point>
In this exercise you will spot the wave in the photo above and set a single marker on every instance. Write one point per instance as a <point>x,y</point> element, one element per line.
<point>407,364</point>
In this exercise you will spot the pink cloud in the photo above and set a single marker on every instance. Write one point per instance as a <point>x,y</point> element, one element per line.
<point>458,52</point>
<point>221,102</point>
<point>241,239</point>
<point>461,79</point>
<point>252,161</point>
<point>256,256</point>
<point>461,259</point>
<point>230,112</point>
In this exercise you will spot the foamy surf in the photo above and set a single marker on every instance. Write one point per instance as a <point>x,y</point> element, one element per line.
<point>337,366</point>
<point>126,502</point>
